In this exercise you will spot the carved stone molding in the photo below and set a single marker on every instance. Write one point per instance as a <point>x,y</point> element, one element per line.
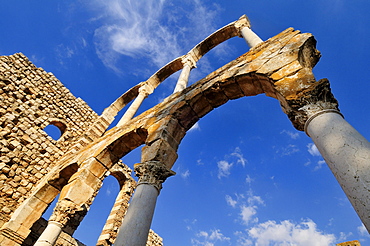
<point>310,102</point>
<point>146,89</point>
<point>65,210</point>
<point>189,60</point>
<point>152,173</point>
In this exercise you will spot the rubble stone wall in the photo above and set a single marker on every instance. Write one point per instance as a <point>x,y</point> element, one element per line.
<point>30,100</point>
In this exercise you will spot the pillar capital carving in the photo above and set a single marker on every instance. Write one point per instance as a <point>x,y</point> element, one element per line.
<point>65,210</point>
<point>189,60</point>
<point>152,173</point>
<point>146,89</point>
<point>310,102</point>
<point>241,23</point>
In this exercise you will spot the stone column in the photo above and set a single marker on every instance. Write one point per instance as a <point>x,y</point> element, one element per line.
<point>136,224</point>
<point>243,26</point>
<point>315,110</point>
<point>250,37</point>
<point>62,213</point>
<point>50,235</point>
<point>347,153</point>
<point>144,91</point>
<point>189,63</point>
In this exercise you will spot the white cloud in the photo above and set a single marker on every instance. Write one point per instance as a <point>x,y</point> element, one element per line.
<point>289,233</point>
<point>152,29</point>
<point>247,213</point>
<point>312,149</point>
<point>363,231</point>
<point>230,201</point>
<point>288,150</point>
<point>209,238</point>
<point>223,169</point>
<point>185,174</point>
<point>199,162</point>
<point>292,135</point>
<point>237,153</point>
<point>255,200</point>
<point>248,179</point>
<point>319,165</point>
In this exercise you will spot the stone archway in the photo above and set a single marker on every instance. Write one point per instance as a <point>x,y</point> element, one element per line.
<point>280,67</point>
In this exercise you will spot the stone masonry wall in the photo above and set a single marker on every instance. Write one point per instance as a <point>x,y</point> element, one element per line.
<point>30,100</point>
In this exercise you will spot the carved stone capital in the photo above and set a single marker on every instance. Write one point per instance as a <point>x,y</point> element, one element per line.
<point>146,89</point>
<point>189,60</point>
<point>65,210</point>
<point>152,173</point>
<point>311,101</point>
<point>241,23</point>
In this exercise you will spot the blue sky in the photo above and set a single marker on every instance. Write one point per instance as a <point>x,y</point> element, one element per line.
<point>245,176</point>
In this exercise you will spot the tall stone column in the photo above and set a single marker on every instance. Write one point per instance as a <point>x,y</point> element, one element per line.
<point>62,213</point>
<point>243,25</point>
<point>136,224</point>
<point>346,152</point>
<point>144,91</point>
<point>189,63</point>
<point>250,37</point>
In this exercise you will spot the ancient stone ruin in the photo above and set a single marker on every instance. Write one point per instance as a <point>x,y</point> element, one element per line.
<point>34,168</point>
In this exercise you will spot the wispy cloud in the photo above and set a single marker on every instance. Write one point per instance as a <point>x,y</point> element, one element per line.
<point>230,201</point>
<point>363,231</point>
<point>224,166</point>
<point>223,169</point>
<point>238,154</point>
<point>185,174</point>
<point>152,29</point>
<point>248,179</point>
<point>288,150</point>
<point>312,149</point>
<point>319,165</point>
<point>292,135</point>
<point>209,238</point>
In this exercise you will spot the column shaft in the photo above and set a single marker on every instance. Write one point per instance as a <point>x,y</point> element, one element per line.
<point>131,111</point>
<point>50,235</point>
<point>250,37</point>
<point>135,227</point>
<point>347,153</point>
<point>182,82</point>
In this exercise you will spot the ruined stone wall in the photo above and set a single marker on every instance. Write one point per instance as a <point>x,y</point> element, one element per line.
<point>30,100</point>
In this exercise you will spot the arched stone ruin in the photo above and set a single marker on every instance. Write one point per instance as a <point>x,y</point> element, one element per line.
<point>36,168</point>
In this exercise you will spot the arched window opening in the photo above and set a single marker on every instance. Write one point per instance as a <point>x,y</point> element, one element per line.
<point>91,226</point>
<point>55,129</point>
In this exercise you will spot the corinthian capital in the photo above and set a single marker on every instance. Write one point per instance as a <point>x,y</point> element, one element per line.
<point>152,173</point>
<point>65,210</point>
<point>310,102</point>
<point>146,89</point>
<point>189,60</point>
